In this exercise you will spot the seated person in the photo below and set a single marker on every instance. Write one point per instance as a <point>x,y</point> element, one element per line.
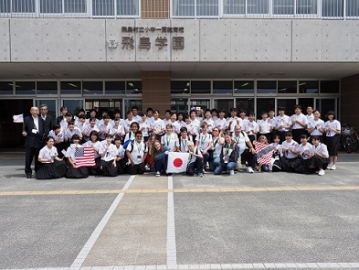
<point>75,170</point>
<point>290,152</point>
<point>108,154</point>
<point>51,166</point>
<point>264,153</point>
<point>121,158</point>
<point>96,144</point>
<point>159,158</point>
<point>195,160</point>
<point>229,155</point>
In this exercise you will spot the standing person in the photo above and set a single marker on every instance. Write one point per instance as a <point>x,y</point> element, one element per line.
<point>49,120</point>
<point>233,121</point>
<point>194,161</point>
<point>221,121</point>
<point>333,130</point>
<point>51,165</point>
<point>299,123</point>
<point>282,123</point>
<point>73,171</point>
<point>158,126</point>
<point>136,152</point>
<point>175,125</point>
<point>105,127</point>
<point>62,117</point>
<point>144,126</point>
<point>208,120</point>
<point>180,120</point>
<point>310,113</point>
<point>271,118</point>
<point>86,132</point>
<point>229,155</point>
<point>117,129</point>
<point>170,139</point>
<point>59,139</point>
<point>108,154</point>
<point>167,119</point>
<point>149,114</point>
<point>265,128</point>
<point>214,154</point>
<point>136,117</point>
<point>204,143</point>
<point>251,127</point>
<point>316,127</point>
<point>129,120</point>
<point>33,131</point>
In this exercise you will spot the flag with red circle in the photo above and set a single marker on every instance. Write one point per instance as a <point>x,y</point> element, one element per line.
<point>177,162</point>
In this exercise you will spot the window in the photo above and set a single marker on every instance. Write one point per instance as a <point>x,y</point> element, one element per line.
<point>266,87</point>
<point>287,87</point>
<point>122,7</point>
<point>127,7</point>
<point>243,87</point>
<point>54,6</point>
<point>200,87</point>
<point>234,7</point>
<point>190,8</point>
<point>180,87</point>
<point>115,88</point>
<point>246,104</point>
<point>25,88</point>
<point>257,6</point>
<point>134,87</point>
<point>179,105</point>
<point>308,87</point>
<point>75,6</point>
<point>332,8</point>
<point>330,87</point>
<point>6,88</point>
<point>103,7</point>
<point>306,7</point>
<point>264,105</point>
<point>73,87</point>
<point>222,87</point>
<point>283,7</point>
<point>352,8</point>
<point>93,87</point>
<point>44,88</point>
<point>17,6</point>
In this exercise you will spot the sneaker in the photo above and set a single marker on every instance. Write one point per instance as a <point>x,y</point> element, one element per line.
<point>158,174</point>
<point>316,172</point>
<point>200,175</point>
<point>231,172</point>
<point>250,170</point>
<point>333,167</point>
<point>321,172</point>
<point>204,171</point>
<point>330,166</point>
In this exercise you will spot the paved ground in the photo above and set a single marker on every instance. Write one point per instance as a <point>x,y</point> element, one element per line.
<point>259,221</point>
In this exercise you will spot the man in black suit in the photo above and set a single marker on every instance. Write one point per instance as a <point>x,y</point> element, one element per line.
<point>49,120</point>
<point>34,130</point>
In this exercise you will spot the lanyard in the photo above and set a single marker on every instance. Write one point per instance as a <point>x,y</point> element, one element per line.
<point>168,139</point>
<point>203,139</point>
<point>215,142</point>
<point>226,149</point>
<point>184,143</point>
<point>139,147</point>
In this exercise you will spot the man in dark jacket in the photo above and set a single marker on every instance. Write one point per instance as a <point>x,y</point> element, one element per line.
<point>49,120</point>
<point>34,130</point>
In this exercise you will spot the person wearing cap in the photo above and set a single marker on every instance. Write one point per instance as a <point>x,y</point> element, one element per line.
<point>63,111</point>
<point>282,123</point>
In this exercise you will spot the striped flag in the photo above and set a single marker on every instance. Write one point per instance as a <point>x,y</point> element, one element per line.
<point>84,157</point>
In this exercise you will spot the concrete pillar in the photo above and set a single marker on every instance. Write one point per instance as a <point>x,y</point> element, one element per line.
<point>350,101</point>
<point>156,90</point>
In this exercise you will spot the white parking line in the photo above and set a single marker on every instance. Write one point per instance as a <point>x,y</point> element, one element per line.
<point>171,235</point>
<point>81,257</point>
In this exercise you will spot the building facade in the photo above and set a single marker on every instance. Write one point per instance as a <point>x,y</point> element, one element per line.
<point>177,54</point>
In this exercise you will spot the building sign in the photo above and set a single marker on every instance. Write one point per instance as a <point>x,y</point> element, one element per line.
<point>146,40</point>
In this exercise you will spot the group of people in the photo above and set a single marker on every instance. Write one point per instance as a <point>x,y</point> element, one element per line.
<point>214,140</point>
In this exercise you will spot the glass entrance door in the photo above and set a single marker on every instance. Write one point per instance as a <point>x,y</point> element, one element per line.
<point>103,105</point>
<point>288,104</point>
<point>73,105</point>
<point>51,105</point>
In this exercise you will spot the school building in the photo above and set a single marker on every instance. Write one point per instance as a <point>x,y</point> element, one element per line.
<point>178,54</point>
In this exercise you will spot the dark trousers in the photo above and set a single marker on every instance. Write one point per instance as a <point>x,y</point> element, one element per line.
<point>248,157</point>
<point>297,133</point>
<point>30,154</point>
<point>198,164</point>
<point>136,169</point>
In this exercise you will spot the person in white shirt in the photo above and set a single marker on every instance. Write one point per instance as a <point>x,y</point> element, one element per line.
<point>233,121</point>
<point>215,152</point>
<point>320,158</point>
<point>136,117</point>
<point>105,127</point>
<point>176,127</point>
<point>51,166</point>
<point>183,141</point>
<point>310,113</point>
<point>108,153</point>
<point>271,118</point>
<point>130,136</point>
<point>290,152</point>
<point>149,114</point>
<point>73,170</point>
<point>80,122</point>
<point>70,131</point>
<point>251,127</point>
<point>282,123</point>
<point>144,126</point>
<point>299,123</point>
<point>242,115</point>
<point>167,119</point>
<point>221,122</point>
<point>117,129</point>
<point>265,127</point>
<point>59,139</point>
<point>195,160</point>
<point>333,130</point>
<point>121,158</point>
<point>208,120</point>
<point>89,128</point>
<point>170,139</point>
<point>180,120</point>
<point>158,126</point>
<point>214,115</point>
<point>96,145</point>
<point>305,152</point>
<point>316,126</point>
<point>194,121</point>
<point>204,143</point>
<point>192,129</point>
<point>136,153</point>
<point>129,120</point>
<point>246,149</point>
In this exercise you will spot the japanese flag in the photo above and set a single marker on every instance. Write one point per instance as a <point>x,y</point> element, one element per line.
<point>177,162</point>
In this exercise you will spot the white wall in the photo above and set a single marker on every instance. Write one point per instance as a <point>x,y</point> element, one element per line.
<point>227,40</point>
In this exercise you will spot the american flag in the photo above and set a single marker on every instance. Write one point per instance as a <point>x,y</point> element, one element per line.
<point>84,156</point>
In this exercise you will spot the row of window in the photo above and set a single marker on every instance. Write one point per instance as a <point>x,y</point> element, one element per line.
<point>67,7</point>
<point>185,8</point>
<point>177,87</point>
<point>265,8</point>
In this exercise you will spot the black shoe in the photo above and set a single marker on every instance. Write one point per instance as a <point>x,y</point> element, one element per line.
<point>28,175</point>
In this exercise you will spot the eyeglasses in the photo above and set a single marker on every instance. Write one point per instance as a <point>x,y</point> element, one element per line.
<point>215,130</point>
